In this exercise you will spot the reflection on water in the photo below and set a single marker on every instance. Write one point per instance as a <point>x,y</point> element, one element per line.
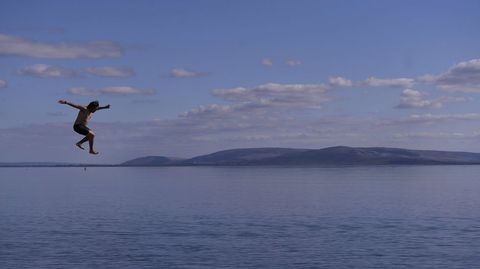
<point>347,217</point>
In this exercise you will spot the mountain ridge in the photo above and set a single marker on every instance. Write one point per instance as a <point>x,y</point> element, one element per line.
<point>338,155</point>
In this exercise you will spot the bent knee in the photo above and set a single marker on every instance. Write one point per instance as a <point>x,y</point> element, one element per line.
<point>91,134</point>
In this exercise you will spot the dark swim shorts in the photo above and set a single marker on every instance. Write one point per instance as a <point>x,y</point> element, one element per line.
<point>81,129</point>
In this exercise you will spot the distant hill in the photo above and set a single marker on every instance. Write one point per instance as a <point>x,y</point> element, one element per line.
<point>328,156</point>
<point>152,161</point>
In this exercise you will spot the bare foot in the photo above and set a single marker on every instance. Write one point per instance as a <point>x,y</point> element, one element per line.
<point>79,145</point>
<point>93,152</point>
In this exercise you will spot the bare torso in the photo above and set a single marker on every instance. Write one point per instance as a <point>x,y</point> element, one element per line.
<point>83,117</point>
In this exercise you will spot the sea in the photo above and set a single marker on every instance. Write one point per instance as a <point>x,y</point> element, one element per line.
<point>240,217</point>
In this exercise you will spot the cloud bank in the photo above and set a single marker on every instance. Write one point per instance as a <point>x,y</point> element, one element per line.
<point>16,46</point>
<point>462,77</point>
<point>47,71</point>
<point>184,73</point>
<point>278,95</point>
<point>392,82</point>
<point>114,90</point>
<point>416,99</point>
<point>275,114</point>
<point>107,71</point>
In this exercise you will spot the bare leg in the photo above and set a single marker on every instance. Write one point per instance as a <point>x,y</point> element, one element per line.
<point>91,137</point>
<point>79,143</point>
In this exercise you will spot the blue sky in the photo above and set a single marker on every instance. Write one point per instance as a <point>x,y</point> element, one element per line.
<point>192,77</point>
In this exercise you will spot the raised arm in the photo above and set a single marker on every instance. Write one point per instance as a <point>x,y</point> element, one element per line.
<point>104,107</point>
<point>71,104</point>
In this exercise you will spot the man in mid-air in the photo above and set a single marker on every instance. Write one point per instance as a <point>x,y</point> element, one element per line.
<point>80,125</point>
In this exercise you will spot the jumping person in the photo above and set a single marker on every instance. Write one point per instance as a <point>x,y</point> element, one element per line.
<point>80,125</point>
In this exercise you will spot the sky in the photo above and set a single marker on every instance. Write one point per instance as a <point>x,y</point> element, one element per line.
<point>185,78</point>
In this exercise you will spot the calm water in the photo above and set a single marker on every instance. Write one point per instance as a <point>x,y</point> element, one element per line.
<point>355,217</point>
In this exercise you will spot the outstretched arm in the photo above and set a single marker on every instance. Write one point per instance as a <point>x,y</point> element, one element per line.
<point>104,107</point>
<point>71,104</point>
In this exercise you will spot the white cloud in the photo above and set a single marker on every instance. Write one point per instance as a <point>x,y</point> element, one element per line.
<point>390,82</point>
<point>463,73</point>
<point>273,94</point>
<point>209,110</point>
<point>81,91</point>
<point>416,99</point>
<point>107,71</point>
<point>293,62</point>
<point>462,77</point>
<point>3,84</point>
<point>115,90</point>
<point>15,46</point>
<point>123,90</point>
<point>238,94</point>
<point>262,113</point>
<point>339,82</point>
<point>47,71</point>
<point>183,73</point>
<point>427,78</point>
<point>267,62</point>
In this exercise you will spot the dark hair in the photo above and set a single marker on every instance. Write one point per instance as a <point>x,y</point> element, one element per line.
<point>93,104</point>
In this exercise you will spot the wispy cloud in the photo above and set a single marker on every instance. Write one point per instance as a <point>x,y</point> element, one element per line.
<point>293,62</point>
<point>462,77</point>
<point>416,99</point>
<point>435,135</point>
<point>428,78</point>
<point>389,82</point>
<point>47,71</point>
<point>339,82</point>
<point>3,84</point>
<point>267,62</point>
<point>207,111</point>
<point>116,90</point>
<point>107,71</point>
<point>184,73</point>
<point>16,46</point>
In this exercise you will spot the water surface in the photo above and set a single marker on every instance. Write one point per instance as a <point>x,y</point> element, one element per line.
<point>240,217</point>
